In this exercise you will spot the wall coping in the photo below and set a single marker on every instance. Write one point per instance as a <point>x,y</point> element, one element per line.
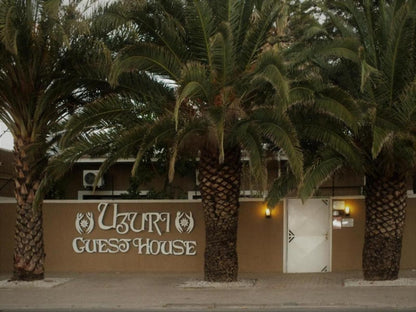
<point>163,201</point>
<point>143,201</point>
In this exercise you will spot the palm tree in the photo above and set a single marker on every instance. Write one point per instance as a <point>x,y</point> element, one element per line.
<point>40,48</point>
<point>369,52</point>
<point>224,91</point>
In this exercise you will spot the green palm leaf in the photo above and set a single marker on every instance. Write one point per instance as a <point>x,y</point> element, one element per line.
<point>318,173</point>
<point>200,26</point>
<point>279,130</point>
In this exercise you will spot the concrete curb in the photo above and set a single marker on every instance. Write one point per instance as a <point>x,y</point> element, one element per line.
<point>400,282</point>
<point>198,284</point>
<point>46,283</point>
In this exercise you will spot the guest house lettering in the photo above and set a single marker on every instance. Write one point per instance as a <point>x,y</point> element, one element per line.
<point>122,223</point>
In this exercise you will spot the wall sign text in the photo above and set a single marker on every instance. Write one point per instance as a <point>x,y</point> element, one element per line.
<point>109,218</point>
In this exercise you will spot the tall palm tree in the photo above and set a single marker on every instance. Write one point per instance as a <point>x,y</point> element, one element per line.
<point>225,91</point>
<point>369,51</point>
<point>40,48</point>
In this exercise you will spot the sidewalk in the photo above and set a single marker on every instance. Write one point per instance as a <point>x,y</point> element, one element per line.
<point>153,291</point>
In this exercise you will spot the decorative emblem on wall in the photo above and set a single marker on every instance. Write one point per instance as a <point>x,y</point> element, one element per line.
<point>84,223</point>
<point>184,222</point>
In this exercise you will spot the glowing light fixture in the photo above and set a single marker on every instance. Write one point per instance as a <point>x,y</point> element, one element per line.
<point>347,210</point>
<point>268,212</point>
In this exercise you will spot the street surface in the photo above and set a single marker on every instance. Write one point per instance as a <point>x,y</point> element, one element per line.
<point>170,292</point>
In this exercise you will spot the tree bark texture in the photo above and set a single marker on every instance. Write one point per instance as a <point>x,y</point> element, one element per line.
<point>220,190</point>
<point>385,218</point>
<point>29,252</point>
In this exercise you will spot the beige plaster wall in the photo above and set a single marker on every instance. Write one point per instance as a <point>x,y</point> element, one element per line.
<point>347,243</point>
<point>260,240</point>
<point>58,237</point>
<point>6,173</point>
<point>258,246</point>
<point>7,225</point>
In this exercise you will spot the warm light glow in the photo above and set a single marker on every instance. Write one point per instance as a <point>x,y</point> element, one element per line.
<point>268,212</point>
<point>338,205</point>
<point>347,210</point>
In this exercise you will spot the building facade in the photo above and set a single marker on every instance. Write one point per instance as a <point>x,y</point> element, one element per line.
<point>168,235</point>
<point>101,231</point>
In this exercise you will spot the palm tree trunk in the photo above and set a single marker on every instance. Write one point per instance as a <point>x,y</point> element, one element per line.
<point>385,217</point>
<point>220,189</point>
<point>29,252</point>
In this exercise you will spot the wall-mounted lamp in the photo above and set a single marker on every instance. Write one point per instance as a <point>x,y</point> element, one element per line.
<point>347,211</point>
<point>340,208</point>
<point>268,212</point>
<point>341,215</point>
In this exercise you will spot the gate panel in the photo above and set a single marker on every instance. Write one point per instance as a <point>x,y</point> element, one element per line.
<point>308,236</point>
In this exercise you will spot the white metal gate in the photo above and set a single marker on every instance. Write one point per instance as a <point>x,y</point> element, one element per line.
<point>308,236</point>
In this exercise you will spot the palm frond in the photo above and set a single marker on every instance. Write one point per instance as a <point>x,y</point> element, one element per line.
<point>396,55</point>
<point>240,21</point>
<point>162,23</point>
<point>380,137</point>
<point>248,135</point>
<point>195,84</point>
<point>8,27</point>
<point>280,188</point>
<point>162,131</point>
<point>108,107</point>
<point>279,130</point>
<point>406,107</point>
<point>256,35</point>
<point>344,28</point>
<point>222,53</point>
<point>222,9</point>
<point>317,173</point>
<point>200,25</point>
<point>333,139</point>
<point>146,57</point>
<point>339,105</point>
<point>271,70</point>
